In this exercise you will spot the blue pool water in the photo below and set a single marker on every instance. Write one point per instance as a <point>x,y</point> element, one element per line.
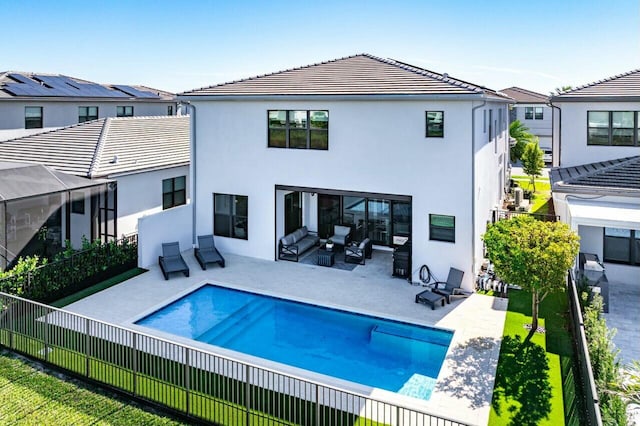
<point>380,353</point>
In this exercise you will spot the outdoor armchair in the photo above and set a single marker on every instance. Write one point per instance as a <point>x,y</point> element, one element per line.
<point>341,235</point>
<point>451,286</point>
<point>171,260</point>
<point>357,254</point>
<point>206,252</point>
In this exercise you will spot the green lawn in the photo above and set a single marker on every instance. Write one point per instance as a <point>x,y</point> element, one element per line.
<point>542,203</point>
<point>31,396</point>
<point>532,376</point>
<point>98,287</point>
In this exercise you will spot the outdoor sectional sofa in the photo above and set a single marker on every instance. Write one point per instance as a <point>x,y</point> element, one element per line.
<point>294,244</point>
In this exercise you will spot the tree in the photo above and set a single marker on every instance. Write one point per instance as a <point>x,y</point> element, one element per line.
<point>532,254</point>
<point>520,133</point>
<point>532,162</point>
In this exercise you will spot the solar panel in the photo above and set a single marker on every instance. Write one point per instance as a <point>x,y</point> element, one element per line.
<point>137,93</point>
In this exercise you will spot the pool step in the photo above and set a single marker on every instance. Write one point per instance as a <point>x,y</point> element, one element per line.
<point>220,333</point>
<point>410,343</point>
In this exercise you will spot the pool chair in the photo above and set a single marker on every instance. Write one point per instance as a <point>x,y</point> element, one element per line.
<point>451,286</point>
<point>206,252</point>
<point>171,260</point>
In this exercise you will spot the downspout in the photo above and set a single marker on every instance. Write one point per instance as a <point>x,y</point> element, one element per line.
<point>473,183</point>
<point>192,169</point>
<point>553,142</point>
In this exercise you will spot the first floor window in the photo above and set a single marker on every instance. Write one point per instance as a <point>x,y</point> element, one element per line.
<point>231,216</point>
<point>622,246</point>
<point>124,111</point>
<point>33,117</point>
<point>442,228</point>
<point>87,113</point>
<point>435,124</point>
<point>174,192</point>
<point>298,129</point>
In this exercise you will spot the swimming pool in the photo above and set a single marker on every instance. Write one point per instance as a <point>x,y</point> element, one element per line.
<point>376,352</point>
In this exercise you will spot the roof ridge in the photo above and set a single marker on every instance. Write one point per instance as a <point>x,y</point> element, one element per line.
<point>270,74</point>
<point>516,88</point>
<point>428,73</point>
<point>97,154</point>
<point>604,80</point>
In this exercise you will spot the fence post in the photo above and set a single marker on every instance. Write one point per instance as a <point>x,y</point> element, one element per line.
<point>134,363</point>
<point>87,347</point>
<point>187,379</point>
<point>46,336</point>
<point>247,397</point>
<point>11,324</point>
<point>317,406</point>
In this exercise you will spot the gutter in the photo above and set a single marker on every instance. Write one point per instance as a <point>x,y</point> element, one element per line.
<point>556,161</point>
<point>192,170</point>
<point>473,184</point>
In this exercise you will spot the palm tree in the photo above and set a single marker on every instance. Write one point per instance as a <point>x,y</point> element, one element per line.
<point>520,133</point>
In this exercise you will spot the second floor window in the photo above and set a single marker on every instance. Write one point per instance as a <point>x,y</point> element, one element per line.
<point>174,192</point>
<point>533,113</point>
<point>170,110</point>
<point>124,111</point>
<point>299,129</point>
<point>435,124</point>
<point>87,113</point>
<point>616,128</point>
<point>33,117</point>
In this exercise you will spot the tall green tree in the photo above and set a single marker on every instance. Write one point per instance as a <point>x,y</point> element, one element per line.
<point>532,254</point>
<point>522,136</point>
<point>532,162</point>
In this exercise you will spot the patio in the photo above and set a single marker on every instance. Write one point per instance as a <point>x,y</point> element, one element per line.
<point>465,383</point>
<point>624,316</point>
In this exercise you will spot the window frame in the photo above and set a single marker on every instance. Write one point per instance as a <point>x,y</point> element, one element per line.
<point>528,113</point>
<point>87,116</point>
<point>633,257</point>
<point>173,192</point>
<point>77,202</point>
<point>535,113</point>
<point>232,216</point>
<point>125,108</point>
<point>452,229</point>
<point>287,128</point>
<point>635,129</point>
<point>427,135</point>
<point>39,121</point>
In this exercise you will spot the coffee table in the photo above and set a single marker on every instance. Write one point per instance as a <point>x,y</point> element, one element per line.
<point>429,298</point>
<point>326,258</point>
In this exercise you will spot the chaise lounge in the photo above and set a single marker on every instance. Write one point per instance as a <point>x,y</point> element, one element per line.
<point>294,244</point>
<point>206,252</point>
<point>451,286</point>
<point>171,260</point>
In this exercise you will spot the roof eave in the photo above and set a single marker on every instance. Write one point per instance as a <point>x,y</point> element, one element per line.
<point>81,99</point>
<point>567,188</point>
<point>588,98</point>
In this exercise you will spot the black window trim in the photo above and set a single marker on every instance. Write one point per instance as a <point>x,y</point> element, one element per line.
<point>426,116</point>
<point>287,128</point>
<point>173,192</point>
<point>124,111</point>
<point>636,129</point>
<point>432,238</point>
<point>231,216</point>
<point>88,117</point>
<point>634,235</point>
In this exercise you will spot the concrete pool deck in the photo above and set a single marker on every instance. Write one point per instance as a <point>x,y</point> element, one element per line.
<point>465,384</point>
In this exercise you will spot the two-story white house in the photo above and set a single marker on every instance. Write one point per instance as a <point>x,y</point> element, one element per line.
<point>393,151</point>
<point>144,159</point>
<point>596,188</point>
<point>532,110</point>
<point>33,102</point>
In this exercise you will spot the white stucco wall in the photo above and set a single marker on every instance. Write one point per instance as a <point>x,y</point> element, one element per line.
<point>573,134</point>
<point>541,128</point>
<point>65,113</point>
<point>377,147</point>
<point>140,194</point>
<point>163,227</point>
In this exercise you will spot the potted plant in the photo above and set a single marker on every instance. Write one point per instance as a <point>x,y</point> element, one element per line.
<point>329,244</point>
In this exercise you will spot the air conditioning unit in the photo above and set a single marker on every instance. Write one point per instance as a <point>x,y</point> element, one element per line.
<point>517,196</point>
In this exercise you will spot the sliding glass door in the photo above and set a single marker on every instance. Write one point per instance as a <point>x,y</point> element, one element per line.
<point>379,221</point>
<point>328,214</point>
<point>292,212</point>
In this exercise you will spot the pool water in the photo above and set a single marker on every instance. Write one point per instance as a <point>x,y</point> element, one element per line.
<point>385,354</point>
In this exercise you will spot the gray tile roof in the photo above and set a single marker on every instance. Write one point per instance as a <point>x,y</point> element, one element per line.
<point>21,85</point>
<point>619,87</point>
<point>362,74</point>
<point>21,180</point>
<point>524,96</point>
<point>107,146</point>
<point>613,176</point>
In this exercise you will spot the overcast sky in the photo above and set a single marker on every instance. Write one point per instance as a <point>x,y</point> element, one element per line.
<point>181,45</point>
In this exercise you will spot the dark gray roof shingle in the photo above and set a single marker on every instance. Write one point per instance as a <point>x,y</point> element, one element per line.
<point>615,176</point>
<point>524,96</point>
<point>107,146</point>
<point>619,87</point>
<point>362,74</point>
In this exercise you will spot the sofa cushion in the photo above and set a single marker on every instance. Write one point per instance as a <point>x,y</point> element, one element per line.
<point>287,240</point>
<point>341,230</point>
<point>298,234</point>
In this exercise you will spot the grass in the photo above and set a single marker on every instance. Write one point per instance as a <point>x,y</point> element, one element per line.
<point>98,287</point>
<point>29,395</point>
<point>542,202</point>
<point>534,380</point>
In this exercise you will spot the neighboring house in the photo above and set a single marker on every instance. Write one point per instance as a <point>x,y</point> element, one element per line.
<point>34,212</point>
<point>596,189</point>
<point>31,103</point>
<point>533,111</point>
<point>394,151</point>
<point>145,158</point>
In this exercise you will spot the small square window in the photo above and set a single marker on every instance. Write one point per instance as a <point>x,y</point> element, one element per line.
<point>435,124</point>
<point>442,228</point>
<point>87,113</point>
